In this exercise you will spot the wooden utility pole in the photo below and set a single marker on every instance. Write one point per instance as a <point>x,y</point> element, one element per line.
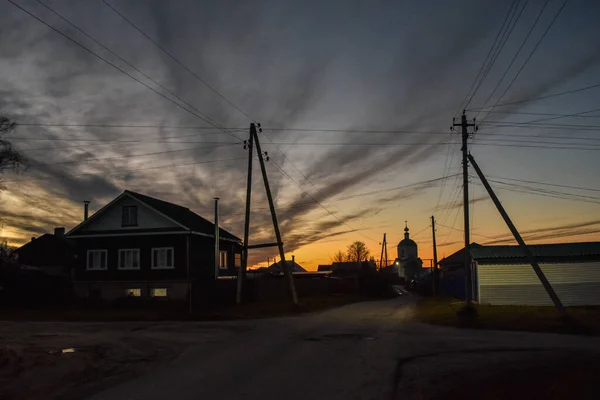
<point>538,271</point>
<point>286,268</point>
<point>217,253</point>
<point>242,271</point>
<point>383,251</point>
<point>435,264</point>
<point>465,167</point>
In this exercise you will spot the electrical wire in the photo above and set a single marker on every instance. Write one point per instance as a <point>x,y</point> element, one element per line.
<point>172,57</point>
<point>116,67</point>
<point>127,170</point>
<point>485,61</point>
<point>548,96</point>
<point>127,62</point>
<point>499,49</point>
<point>529,56</point>
<point>516,54</point>
<point>122,157</point>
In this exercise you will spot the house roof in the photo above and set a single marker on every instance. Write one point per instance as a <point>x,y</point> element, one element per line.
<point>46,240</point>
<point>295,266</point>
<point>181,215</point>
<point>545,252</point>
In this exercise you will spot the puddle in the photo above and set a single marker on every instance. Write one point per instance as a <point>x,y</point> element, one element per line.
<point>68,350</point>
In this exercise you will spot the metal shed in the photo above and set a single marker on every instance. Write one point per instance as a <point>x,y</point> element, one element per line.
<point>502,275</point>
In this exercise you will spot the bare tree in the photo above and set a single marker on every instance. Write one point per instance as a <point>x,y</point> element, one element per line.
<point>339,257</point>
<point>358,252</point>
<point>10,159</point>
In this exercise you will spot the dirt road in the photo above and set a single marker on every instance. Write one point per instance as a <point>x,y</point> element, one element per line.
<point>367,350</point>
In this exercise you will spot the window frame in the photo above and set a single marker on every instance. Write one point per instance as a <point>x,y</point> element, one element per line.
<point>87,259</point>
<point>236,257</point>
<point>122,268</point>
<point>123,224</point>
<point>221,252</point>
<point>166,249</point>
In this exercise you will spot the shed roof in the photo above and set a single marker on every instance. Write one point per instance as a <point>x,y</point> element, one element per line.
<point>552,252</point>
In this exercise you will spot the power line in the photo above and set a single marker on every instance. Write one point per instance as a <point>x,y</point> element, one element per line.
<point>128,170</point>
<point>511,103</point>
<point>546,183</point>
<point>316,201</point>
<point>127,62</point>
<point>537,113</point>
<point>516,54</point>
<point>117,67</point>
<point>487,57</point>
<point>526,190</point>
<point>175,59</point>
<point>530,55</point>
<point>505,38</point>
<point>121,157</point>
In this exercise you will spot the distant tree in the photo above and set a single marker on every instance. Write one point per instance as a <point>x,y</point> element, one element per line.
<point>357,252</point>
<point>339,257</point>
<point>7,253</point>
<point>10,159</point>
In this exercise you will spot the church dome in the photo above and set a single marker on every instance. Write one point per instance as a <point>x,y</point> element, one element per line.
<point>407,248</point>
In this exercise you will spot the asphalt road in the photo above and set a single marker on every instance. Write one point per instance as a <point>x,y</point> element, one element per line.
<point>367,350</point>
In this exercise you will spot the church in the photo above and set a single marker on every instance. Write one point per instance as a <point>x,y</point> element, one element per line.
<point>408,262</point>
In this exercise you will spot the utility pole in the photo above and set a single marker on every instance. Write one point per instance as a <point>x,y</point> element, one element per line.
<point>435,265</point>
<point>253,140</point>
<point>540,274</point>
<point>383,249</point>
<point>217,253</point>
<point>286,268</point>
<point>242,271</point>
<point>465,167</point>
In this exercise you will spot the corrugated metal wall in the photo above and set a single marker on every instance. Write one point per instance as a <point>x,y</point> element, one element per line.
<point>576,284</point>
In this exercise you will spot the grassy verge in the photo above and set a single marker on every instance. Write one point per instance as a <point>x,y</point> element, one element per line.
<point>449,312</point>
<point>181,312</point>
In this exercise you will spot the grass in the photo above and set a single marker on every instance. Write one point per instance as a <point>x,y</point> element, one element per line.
<point>450,312</point>
<point>250,310</point>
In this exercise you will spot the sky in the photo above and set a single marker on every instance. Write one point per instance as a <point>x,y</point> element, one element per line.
<point>355,98</point>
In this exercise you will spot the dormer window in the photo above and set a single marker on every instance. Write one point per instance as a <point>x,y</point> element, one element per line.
<point>129,216</point>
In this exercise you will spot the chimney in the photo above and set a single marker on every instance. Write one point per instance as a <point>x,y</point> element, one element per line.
<point>59,232</point>
<point>217,254</point>
<point>86,209</point>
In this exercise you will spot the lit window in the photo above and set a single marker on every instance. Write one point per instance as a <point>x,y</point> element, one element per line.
<point>133,292</point>
<point>96,259</point>
<point>159,292</point>
<point>163,258</point>
<point>129,259</point>
<point>223,259</point>
<point>238,260</point>
<point>129,216</point>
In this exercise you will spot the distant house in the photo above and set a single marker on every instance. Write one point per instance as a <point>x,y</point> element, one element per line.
<point>141,246</point>
<point>324,268</point>
<point>502,275</point>
<point>52,254</point>
<point>277,268</point>
<point>352,267</point>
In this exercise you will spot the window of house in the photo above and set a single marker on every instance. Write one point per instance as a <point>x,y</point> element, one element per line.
<point>159,292</point>
<point>238,260</point>
<point>133,292</point>
<point>223,259</point>
<point>129,259</point>
<point>129,217</point>
<point>96,259</point>
<point>163,258</point>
